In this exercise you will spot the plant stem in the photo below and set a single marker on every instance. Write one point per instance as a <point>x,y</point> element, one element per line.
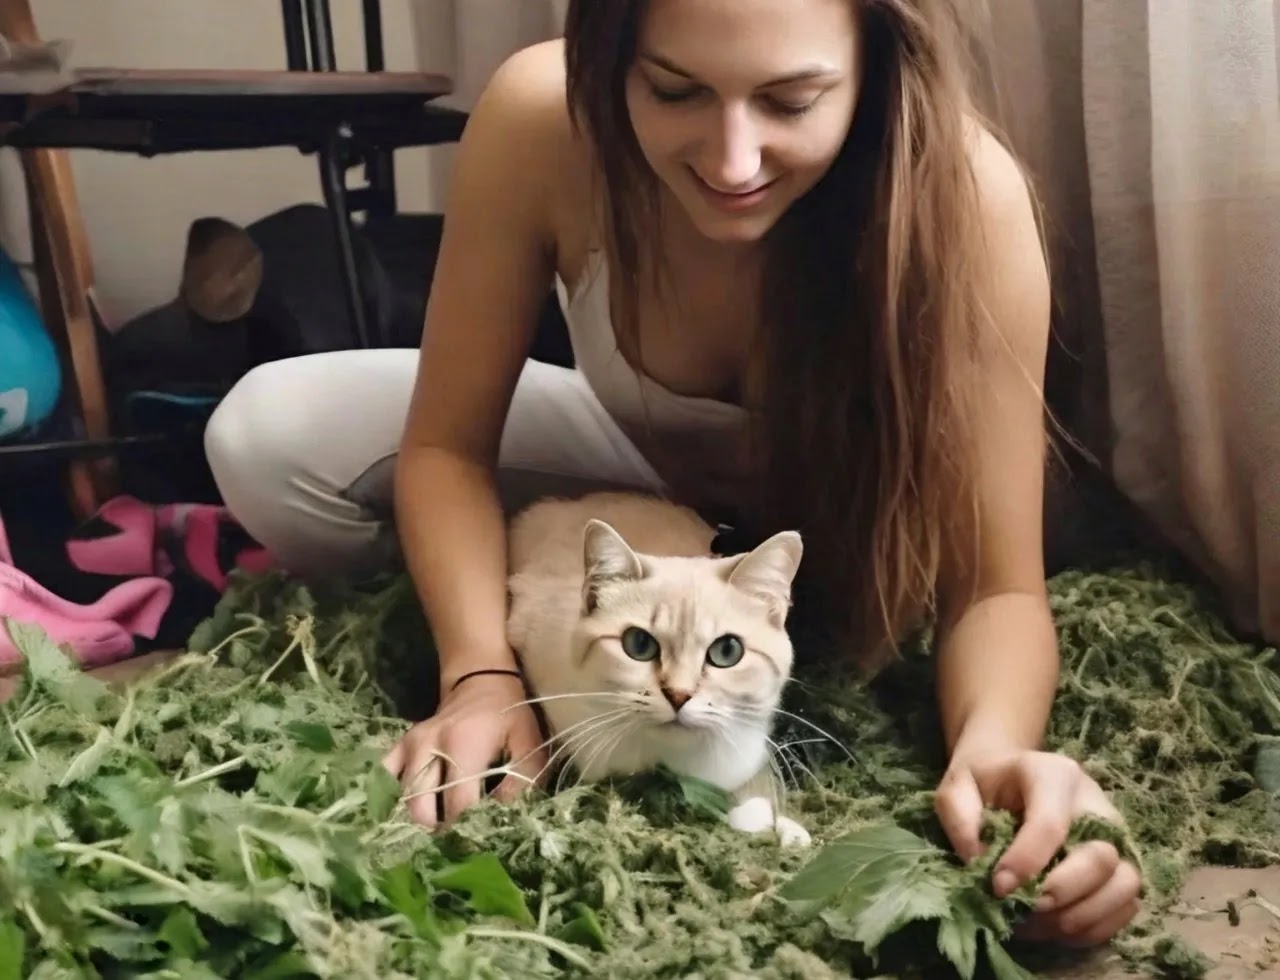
<point>108,857</point>
<point>555,945</point>
<point>221,769</point>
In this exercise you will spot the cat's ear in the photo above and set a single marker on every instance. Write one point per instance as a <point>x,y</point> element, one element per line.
<point>768,571</point>
<point>606,558</point>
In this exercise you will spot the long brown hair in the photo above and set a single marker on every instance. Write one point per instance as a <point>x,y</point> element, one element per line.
<point>871,314</point>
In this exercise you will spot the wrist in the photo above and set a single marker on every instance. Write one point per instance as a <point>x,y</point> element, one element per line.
<point>454,669</point>
<point>986,735</point>
<point>491,672</point>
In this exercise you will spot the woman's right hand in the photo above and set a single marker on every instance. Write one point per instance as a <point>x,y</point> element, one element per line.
<point>480,721</point>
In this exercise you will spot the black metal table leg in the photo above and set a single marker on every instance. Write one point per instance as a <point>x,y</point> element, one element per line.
<point>295,38</point>
<point>320,30</point>
<point>379,164</point>
<point>335,198</point>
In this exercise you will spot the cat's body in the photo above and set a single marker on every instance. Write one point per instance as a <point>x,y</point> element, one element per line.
<point>646,650</point>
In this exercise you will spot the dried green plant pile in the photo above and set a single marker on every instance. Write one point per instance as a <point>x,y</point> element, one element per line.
<point>229,818</point>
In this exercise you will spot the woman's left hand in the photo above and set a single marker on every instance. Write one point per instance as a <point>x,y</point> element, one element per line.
<point>1087,898</point>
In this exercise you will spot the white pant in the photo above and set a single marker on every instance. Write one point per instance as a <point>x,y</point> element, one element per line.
<point>303,452</point>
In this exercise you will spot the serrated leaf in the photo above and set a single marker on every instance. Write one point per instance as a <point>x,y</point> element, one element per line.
<point>704,796</point>
<point>382,792</point>
<point>872,882</point>
<point>13,945</point>
<point>972,913</point>
<point>958,942</point>
<point>290,963</point>
<point>858,862</point>
<point>308,734</point>
<point>406,893</point>
<point>488,887</point>
<point>181,933</point>
<point>306,856</point>
<point>583,929</point>
<point>47,666</point>
<point>1002,964</point>
<point>86,764</point>
<point>293,781</point>
<point>908,895</point>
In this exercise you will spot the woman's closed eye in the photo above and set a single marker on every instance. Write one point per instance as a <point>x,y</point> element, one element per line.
<point>793,108</point>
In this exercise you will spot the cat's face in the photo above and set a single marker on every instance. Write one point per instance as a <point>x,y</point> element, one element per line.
<point>695,647</point>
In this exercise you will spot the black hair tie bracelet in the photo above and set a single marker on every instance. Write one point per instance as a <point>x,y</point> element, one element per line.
<point>481,673</point>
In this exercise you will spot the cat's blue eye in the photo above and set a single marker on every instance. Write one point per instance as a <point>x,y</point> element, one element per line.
<point>640,644</point>
<point>725,651</point>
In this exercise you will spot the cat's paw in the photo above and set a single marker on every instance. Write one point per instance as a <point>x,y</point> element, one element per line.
<point>756,815</point>
<point>752,816</point>
<point>791,834</point>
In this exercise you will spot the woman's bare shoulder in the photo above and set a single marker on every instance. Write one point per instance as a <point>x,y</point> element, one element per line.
<point>524,116</point>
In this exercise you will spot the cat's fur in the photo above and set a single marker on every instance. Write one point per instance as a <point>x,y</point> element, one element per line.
<point>583,571</point>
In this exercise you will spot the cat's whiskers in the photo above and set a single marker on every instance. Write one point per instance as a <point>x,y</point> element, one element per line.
<point>580,730</point>
<point>597,734</point>
<point>615,696</point>
<point>792,762</point>
<point>826,736</point>
<point>608,742</point>
<point>798,757</point>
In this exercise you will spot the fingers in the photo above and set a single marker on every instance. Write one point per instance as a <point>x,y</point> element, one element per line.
<point>958,804</point>
<point>468,762</point>
<point>528,760</point>
<point>420,778</point>
<point>1086,868</point>
<point>1048,786</point>
<point>1097,916</point>
<point>414,761</point>
<point>393,761</point>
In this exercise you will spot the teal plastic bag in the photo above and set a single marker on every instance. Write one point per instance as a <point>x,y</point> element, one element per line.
<point>30,373</point>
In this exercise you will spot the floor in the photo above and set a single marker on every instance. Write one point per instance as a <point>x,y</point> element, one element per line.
<point>1249,946</point>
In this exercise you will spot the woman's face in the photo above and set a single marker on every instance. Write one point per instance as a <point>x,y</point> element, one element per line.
<point>740,106</point>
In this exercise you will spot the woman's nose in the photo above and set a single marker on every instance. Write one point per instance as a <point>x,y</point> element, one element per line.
<point>733,156</point>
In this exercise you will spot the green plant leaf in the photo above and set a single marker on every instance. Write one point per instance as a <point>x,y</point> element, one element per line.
<point>488,887</point>
<point>704,796</point>
<point>181,933</point>
<point>1002,964</point>
<point>973,910</point>
<point>13,946</point>
<point>382,792</point>
<point>46,666</point>
<point>584,928</point>
<point>318,738</point>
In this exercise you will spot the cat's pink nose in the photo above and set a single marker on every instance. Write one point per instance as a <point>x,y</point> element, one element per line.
<point>678,699</point>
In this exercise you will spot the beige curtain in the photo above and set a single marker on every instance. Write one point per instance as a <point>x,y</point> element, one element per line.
<point>1187,186</point>
<point>1153,128</point>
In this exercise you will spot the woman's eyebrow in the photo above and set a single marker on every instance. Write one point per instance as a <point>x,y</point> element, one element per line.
<point>806,74</point>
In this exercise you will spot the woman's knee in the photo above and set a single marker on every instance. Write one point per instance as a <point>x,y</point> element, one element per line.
<point>252,440</point>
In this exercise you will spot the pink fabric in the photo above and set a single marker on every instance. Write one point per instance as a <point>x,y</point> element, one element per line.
<point>132,551</point>
<point>139,547</point>
<point>104,631</point>
<point>196,526</point>
<point>97,634</point>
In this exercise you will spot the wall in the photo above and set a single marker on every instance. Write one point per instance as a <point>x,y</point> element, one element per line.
<point>137,210</point>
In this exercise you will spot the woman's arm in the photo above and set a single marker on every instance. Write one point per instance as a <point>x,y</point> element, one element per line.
<point>492,276</point>
<point>997,651</point>
<point>494,273</point>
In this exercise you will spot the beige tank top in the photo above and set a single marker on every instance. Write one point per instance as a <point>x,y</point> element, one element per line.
<point>698,445</point>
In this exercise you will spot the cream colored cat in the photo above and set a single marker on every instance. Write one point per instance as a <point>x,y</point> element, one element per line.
<point>647,649</point>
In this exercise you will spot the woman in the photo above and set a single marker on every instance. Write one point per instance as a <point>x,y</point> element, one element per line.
<point>804,286</point>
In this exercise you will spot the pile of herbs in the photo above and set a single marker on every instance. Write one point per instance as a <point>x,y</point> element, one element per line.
<point>228,816</point>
